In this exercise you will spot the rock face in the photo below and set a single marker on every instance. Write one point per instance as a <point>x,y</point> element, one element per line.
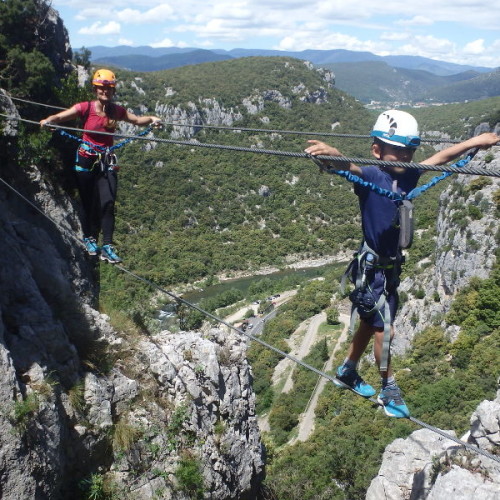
<point>428,466</point>
<point>465,248</point>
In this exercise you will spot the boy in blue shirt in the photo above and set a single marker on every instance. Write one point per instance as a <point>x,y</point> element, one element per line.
<point>396,138</point>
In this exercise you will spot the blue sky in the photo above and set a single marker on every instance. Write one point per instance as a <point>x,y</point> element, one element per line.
<point>385,28</point>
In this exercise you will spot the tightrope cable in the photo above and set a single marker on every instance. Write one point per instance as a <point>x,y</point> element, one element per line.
<point>278,351</point>
<point>339,159</point>
<point>261,130</point>
<point>305,365</point>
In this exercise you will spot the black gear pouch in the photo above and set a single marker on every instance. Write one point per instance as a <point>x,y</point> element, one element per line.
<point>405,210</point>
<point>364,301</point>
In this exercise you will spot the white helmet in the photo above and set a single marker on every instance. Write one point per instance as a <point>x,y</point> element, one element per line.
<point>397,128</point>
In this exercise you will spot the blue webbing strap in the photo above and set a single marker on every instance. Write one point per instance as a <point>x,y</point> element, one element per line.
<point>103,148</point>
<point>421,189</point>
<point>391,194</point>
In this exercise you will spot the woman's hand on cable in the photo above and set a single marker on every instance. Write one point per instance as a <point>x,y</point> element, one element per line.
<point>156,123</point>
<point>46,122</point>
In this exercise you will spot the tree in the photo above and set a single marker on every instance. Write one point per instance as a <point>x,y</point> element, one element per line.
<point>332,315</point>
<point>82,57</point>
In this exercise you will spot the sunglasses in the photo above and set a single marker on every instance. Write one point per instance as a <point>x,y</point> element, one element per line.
<point>408,141</point>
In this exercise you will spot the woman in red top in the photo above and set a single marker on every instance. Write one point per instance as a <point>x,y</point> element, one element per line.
<point>97,188</point>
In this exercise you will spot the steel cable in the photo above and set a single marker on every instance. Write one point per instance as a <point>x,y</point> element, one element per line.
<point>338,159</point>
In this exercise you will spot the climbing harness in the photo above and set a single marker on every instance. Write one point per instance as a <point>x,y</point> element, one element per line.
<point>105,161</point>
<point>362,271</point>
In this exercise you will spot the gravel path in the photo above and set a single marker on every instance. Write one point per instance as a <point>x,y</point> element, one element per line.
<point>306,419</point>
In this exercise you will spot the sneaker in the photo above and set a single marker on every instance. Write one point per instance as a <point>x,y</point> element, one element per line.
<point>351,379</point>
<point>91,246</point>
<point>394,406</point>
<point>108,253</point>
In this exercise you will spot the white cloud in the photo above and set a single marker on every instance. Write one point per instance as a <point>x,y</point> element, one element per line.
<point>98,28</point>
<point>92,13</point>
<point>167,42</point>
<point>428,46</point>
<point>395,36</point>
<point>415,21</point>
<point>125,41</point>
<point>157,14</point>
<point>326,41</point>
<point>475,48</point>
<point>423,28</point>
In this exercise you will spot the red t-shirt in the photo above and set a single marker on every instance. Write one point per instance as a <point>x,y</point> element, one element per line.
<point>98,123</point>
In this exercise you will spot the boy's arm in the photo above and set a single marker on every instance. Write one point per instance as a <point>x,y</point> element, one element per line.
<point>320,148</point>
<point>482,141</point>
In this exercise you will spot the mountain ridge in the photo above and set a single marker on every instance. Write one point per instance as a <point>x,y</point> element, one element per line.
<point>318,57</point>
<point>389,80</point>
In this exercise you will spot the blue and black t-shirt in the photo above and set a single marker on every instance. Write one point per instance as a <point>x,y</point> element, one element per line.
<point>379,213</point>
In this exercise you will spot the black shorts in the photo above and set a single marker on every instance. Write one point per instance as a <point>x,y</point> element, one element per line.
<point>378,283</point>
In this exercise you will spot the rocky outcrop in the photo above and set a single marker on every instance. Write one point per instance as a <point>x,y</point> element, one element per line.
<point>55,38</point>
<point>188,119</point>
<point>72,385</point>
<point>428,466</point>
<point>465,248</point>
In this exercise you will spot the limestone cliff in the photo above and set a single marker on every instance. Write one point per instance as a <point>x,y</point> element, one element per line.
<point>190,117</point>
<point>467,237</point>
<point>428,466</point>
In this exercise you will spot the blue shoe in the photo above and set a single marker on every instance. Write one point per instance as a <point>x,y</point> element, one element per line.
<point>394,405</point>
<point>346,378</point>
<point>108,253</point>
<point>91,246</point>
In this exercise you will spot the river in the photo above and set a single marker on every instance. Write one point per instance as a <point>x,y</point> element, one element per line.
<point>167,316</point>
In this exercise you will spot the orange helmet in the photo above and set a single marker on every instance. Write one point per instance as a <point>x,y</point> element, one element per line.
<point>104,77</point>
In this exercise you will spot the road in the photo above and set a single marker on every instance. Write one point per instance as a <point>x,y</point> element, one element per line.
<point>306,419</point>
<point>258,322</point>
<point>307,332</point>
<point>307,342</point>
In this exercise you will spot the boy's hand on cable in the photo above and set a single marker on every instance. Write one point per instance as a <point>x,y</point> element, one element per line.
<point>486,140</point>
<point>320,148</point>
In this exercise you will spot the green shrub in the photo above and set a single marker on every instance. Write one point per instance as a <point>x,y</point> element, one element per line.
<point>189,477</point>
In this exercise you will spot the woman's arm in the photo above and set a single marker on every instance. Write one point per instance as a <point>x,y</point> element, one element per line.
<point>63,116</point>
<point>141,120</point>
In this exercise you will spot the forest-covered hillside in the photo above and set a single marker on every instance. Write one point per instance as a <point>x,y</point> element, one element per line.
<point>378,81</point>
